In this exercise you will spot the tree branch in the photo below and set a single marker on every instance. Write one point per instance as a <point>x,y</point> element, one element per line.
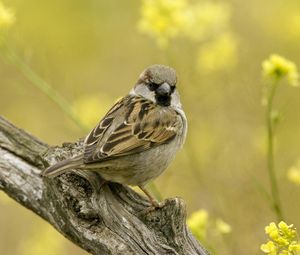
<point>100,217</point>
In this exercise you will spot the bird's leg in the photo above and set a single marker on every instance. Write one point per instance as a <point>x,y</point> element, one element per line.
<point>152,200</point>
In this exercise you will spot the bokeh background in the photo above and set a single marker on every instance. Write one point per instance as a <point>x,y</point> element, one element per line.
<point>92,51</point>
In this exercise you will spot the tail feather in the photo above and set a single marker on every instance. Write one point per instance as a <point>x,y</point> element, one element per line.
<point>63,166</point>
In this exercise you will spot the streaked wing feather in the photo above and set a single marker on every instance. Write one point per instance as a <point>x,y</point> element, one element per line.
<point>96,135</point>
<point>145,126</point>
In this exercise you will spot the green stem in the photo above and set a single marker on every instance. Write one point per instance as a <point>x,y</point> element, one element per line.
<point>42,85</point>
<point>271,166</point>
<point>262,190</point>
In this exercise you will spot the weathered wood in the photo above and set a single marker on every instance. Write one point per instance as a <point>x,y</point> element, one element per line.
<point>100,217</point>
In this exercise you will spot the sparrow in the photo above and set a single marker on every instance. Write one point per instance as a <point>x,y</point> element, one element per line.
<point>138,137</point>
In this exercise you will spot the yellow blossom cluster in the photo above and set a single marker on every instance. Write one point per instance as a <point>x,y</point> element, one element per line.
<point>283,240</point>
<point>7,17</point>
<point>166,19</point>
<point>277,67</point>
<point>204,22</point>
<point>199,223</point>
<point>162,19</point>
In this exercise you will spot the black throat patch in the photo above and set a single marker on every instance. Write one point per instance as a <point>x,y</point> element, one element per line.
<point>163,100</point>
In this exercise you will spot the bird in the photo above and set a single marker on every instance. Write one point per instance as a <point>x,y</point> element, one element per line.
<point>138,137</point>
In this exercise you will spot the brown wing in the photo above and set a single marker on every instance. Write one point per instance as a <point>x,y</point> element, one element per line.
<point>133,125</point>
<point>97,135</point>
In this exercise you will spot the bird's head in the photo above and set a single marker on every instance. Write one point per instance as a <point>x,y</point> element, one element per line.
<point>158,84</point>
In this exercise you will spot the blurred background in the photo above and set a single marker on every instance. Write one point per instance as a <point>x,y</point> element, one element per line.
<point>92,51</point>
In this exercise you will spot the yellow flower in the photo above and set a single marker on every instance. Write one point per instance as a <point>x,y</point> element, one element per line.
<point>198,223</point>
<point>293,173</point>
<point>283,239</point>
<point>162,19</point>
<point>272,227</point>
<point>272,230</point>
<point>203,225</point>
<point>222,226</point>
<point>277,67</point>
<point>269,248</point>
<point>287,230</point>
<point>294,246</point>
<point>285,253</point>
<point>7,17</point>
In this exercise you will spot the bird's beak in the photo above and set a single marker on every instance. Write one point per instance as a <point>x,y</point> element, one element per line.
<point>163,90</point>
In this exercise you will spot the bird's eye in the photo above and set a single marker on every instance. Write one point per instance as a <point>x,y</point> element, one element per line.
<point>152,86</point>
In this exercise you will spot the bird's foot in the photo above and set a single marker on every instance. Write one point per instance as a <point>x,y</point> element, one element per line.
<point>155,205</point>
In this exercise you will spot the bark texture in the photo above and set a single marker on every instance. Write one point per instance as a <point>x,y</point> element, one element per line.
<point>100,217</point>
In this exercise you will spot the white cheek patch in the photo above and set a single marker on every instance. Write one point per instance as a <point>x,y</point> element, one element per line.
<point>175,99</point>
<point>143,90</point>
